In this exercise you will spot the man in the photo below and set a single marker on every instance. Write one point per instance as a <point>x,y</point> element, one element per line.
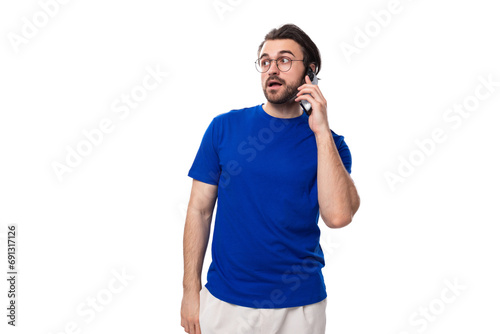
<point>274,170</point>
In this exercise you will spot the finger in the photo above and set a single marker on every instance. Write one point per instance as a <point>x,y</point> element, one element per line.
<point>305,97</point>
<point>194,328</point>
<point>198,329</point>
<point>310,84</point>
<point>320,94</point>
<point>309,90</point>
<point>314,93</point>
<point>315,88</point>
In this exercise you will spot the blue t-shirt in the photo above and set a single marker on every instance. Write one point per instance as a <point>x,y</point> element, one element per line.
<point>265,248</point>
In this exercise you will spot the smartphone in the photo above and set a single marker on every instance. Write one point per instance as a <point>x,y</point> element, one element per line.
<point>306,106</point>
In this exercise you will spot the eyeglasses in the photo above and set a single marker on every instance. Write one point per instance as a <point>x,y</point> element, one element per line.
<point>284,64</point>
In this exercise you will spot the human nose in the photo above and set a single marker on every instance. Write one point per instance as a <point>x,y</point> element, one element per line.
<point>273,69</point>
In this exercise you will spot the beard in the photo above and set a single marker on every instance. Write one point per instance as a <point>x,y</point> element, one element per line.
<point>286,94</point>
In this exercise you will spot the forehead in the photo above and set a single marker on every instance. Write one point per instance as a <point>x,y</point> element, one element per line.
<point>273,48</point>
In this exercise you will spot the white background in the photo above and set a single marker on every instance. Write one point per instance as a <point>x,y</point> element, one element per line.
<point>123,207</point>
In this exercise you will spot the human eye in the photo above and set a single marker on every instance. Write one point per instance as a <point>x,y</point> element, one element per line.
<point>264,62</point>
<point>284,60</point>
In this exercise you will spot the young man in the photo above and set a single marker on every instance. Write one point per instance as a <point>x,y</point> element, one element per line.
<point>274,170</point>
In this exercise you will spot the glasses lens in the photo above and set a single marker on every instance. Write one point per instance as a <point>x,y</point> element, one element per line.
<point>262,65</point>
<point>284,63</point>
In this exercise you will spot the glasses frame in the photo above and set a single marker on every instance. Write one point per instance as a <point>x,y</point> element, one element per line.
<point>257,66</point>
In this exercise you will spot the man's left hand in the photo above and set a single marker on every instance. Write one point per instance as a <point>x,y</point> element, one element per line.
<point>318,120</point>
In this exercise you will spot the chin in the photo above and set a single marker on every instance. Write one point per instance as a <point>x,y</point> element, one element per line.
<point>274,98</point>
<point>278,99</point>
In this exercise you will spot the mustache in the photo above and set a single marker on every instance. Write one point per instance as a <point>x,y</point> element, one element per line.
<point>275,78</point>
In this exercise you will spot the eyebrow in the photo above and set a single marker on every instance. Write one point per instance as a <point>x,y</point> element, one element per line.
<point>281,52</point>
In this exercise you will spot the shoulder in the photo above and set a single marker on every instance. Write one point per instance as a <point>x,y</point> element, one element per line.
<point>236,113</point>
<point>232,119</point>
<point>235,117</point>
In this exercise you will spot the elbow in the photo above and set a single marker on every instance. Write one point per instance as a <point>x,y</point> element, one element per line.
<point>337,221</point>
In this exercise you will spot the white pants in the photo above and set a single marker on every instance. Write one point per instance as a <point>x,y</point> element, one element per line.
<point>220,317</point>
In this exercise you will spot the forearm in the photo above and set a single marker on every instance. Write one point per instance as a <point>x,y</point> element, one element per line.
<point>196,236</point>
<point>337,195</point>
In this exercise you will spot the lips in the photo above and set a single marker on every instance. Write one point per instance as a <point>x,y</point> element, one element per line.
<point>274,84</point>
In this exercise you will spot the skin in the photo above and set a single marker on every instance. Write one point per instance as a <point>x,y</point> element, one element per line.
<point>293,78</point>
<point>337,195</point>
<point>196,235</point>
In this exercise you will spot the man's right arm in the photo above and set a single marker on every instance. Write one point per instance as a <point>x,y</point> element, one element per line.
<point>196,236</point>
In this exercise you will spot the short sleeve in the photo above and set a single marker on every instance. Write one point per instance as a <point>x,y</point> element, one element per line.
<point>344,152</point>
<point>206,167</point>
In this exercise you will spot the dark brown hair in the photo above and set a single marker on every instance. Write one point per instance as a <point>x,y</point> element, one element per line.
<point>291,31</point>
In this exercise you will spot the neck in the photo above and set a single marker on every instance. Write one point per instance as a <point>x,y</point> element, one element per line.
<point>289,109</point>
